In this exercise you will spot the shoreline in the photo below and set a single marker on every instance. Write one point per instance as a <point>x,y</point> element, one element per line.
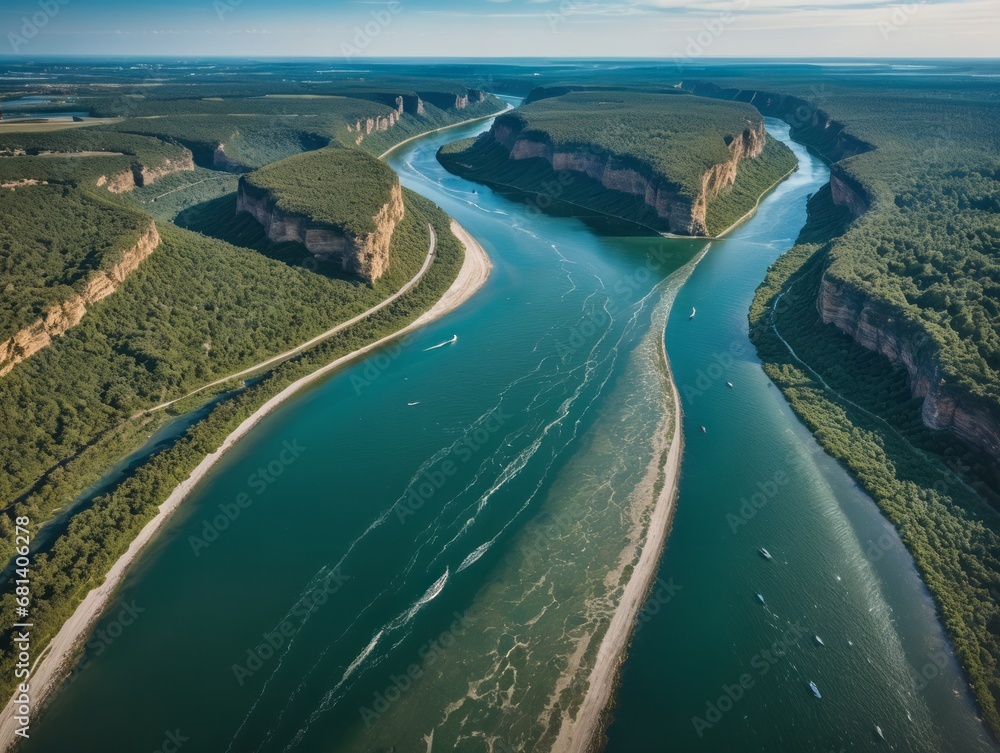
<point>591,719</point>
<point>51,665</point>
<point>579,734</point>
<point>393,148</point>
<point>756,206</point>
<point>589,211</point>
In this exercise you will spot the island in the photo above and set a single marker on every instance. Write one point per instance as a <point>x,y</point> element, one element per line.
<point>671,162</point>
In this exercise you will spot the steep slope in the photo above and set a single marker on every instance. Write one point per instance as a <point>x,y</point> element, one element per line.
<point>675,163</point>
<point>341,204</point>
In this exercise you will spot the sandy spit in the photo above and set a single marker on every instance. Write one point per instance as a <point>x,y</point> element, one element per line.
<point>579,734</point>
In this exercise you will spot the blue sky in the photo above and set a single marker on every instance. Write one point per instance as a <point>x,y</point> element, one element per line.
<point>491,28</point>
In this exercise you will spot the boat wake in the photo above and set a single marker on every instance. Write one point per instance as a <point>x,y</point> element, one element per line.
<point>454,339</point>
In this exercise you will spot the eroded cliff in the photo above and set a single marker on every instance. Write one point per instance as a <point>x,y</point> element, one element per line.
<point>366,256</point>
<point>681,211</point>
<point>143,175</point>
<point>877,327</point>
<point>60,318</point>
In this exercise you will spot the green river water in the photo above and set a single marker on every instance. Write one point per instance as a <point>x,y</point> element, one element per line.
<point>439,534</point>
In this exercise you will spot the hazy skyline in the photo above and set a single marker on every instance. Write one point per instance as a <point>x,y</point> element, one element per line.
<point>475,28</point>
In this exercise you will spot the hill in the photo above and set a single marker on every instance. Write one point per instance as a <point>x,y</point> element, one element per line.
<point>674,163</point>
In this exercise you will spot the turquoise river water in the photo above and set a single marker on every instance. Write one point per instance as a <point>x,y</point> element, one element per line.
<point>436,541</point>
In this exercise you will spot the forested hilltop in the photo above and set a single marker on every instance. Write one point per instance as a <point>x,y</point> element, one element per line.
<point>132,277</point>
<point>669,161</point>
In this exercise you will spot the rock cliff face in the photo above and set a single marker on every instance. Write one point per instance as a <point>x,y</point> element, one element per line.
<point>381,123</point>
<point>144,175</point>
<point>876,327</point>
<point>682,213</point>
<point>809,125</point>
<point>366,257</point>
<point>848,192</point>
<point>222,161</point>
<point>58,319</point>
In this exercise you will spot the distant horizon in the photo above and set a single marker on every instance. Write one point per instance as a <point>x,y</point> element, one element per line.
<point>555,29</point>
<point>375,58</point>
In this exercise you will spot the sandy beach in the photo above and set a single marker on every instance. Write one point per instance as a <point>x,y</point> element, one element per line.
<point>577,735</point>
<point>56,660</point>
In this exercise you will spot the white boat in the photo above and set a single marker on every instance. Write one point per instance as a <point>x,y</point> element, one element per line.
<point>452,341</point>
<point>704,430</point>
<point>763,551</point>
<point>416,403</point>
<point>729,385</point>
<point>761,597</point>
<point>814,689</point>
<point>878,731</point>
<point>819,640</point>
<point>693,312</point>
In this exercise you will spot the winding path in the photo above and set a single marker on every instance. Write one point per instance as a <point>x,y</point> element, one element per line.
<point>319,338</point>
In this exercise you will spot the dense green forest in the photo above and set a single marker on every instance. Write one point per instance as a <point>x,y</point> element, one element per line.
<point>259,130</point>
<point>869,423</point>
<point>80,156</point>
<point>51,240</point>
<point>671,139</point>
<point>342,187</point>
<point>163,332</point>
<point>679,137</point>
<point>917,158</point>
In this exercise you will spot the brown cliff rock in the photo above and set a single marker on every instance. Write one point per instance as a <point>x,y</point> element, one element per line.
<point>60,318</point>
<point>874,326</point>
<point>684,215</point>
<point>366,257</point>
<point>145,175</point>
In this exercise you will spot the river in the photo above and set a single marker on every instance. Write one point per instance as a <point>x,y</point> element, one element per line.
<point>432,535</point>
